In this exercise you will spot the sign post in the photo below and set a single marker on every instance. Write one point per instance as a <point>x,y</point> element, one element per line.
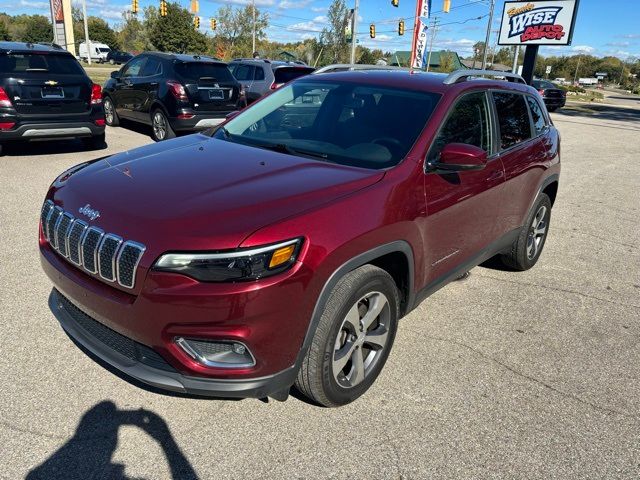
<point>419,50</point>
<point>536,23</point>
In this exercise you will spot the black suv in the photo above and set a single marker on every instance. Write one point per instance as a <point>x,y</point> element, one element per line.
<point>172,92</point>
<point>46,94</point>
<point>118,57</point>
<point>554,97</point>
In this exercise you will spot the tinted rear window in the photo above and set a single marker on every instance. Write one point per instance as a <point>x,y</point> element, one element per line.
<point>197,70</point>
<point>513,118</point>
<point>543,84</point>
<point>35,62</point>
<point>286,74</point>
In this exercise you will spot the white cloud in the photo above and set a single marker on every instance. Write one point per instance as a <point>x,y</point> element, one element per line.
<point>321,19</point>
<point>583,49</point>
<point>310,26</point>
<point>617,44</point>
<point>35,5</point>
<point>259,3</point>
<point>293,4</point>
<point>319,9</point>
<point>114,13</point>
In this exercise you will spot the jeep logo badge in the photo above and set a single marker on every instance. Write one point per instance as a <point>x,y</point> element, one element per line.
<point>89,212</point>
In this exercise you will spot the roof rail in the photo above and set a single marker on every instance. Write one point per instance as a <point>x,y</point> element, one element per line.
<point>341,67</point>
<point>463,75</point>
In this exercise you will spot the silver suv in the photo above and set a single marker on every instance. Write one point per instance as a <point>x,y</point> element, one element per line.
<point>259,76</point>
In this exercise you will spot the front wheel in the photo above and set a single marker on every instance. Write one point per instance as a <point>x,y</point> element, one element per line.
<point>161,130</point>
<point>353,338</point>
<point>527,248</point>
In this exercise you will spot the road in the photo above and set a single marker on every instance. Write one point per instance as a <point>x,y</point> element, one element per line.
<point>504,375</point>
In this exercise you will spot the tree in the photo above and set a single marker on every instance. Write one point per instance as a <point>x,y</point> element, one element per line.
<point>37,29</point>
<point>175,32</point>
<point>234,34</point>
<point>99,30</point>
<point>478,52</point>
<point>447,62</point>
<point>133,34</point>
<point>4,32</point>
<point>332,37</point>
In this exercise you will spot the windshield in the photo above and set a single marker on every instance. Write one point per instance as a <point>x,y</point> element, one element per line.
<point>104,50</point>
<point>194,71</point>
<point>44,62</point>
<point>350,124</point>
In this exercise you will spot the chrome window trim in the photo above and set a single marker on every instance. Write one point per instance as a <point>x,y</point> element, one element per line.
<point>95,250</point>
<point>113,258</point>
<point>85,227</point>
<point>54,240</point>
<point>142,249</point>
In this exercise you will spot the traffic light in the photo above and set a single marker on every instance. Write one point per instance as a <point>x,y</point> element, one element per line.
<point>395,2</point>
<point>134,6</point>
<point>372,31</point>
<point>196,22</point>
<point>195,6</point>
<point>214,23</point>
<point>401,27</point>
<point>163,8</point>
<point>447,6</point>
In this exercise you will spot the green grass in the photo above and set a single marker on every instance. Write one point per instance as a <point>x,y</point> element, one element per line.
<point>98,72</point>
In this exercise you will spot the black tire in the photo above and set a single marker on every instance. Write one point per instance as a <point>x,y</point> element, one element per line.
<point>110,115</point>
<point>363,288</point>
<point>527,248</point>
<point>158,116</point>
<point>97,142</point>
<point>552,109</point>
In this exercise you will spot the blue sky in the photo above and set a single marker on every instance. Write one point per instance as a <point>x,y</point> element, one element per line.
<point>601,28</point>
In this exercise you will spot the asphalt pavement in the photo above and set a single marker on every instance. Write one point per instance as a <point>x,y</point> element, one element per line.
<point>503,375</point>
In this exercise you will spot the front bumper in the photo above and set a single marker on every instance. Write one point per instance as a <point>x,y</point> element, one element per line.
<point>51,130</point>
<point>144,365</point>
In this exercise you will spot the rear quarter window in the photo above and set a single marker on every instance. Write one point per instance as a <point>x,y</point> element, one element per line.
<point>513,118</point>
<point>44,63</point>
<point>539,120</point>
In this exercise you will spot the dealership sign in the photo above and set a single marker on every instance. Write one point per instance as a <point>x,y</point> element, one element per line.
<point>543,22</point>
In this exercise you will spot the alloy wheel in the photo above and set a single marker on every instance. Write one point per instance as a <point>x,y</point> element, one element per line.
<point>537,232</point>
<point>159,126</point>
<point>361,339</point>
<point>108,111</point>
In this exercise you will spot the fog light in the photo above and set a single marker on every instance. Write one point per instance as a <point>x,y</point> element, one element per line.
<point>221,354</point>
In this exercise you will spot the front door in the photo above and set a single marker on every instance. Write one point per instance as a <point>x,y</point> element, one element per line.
<point>462,206</point>
<point>124,94</point>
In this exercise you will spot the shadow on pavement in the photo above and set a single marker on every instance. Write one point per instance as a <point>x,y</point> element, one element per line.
<point>88,453</point>
<point>600,112</point>
<point>49,147</point>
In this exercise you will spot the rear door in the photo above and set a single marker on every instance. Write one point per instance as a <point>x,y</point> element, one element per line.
<point>209,85</point>
<point>522,152</point>
<point>46,84</point>
<point>462,206</point>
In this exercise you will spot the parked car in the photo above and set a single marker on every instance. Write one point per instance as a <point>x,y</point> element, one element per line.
<point>97,51</point>
<point>554,97</point>
<point>284,247</point>
<point>259,77</point>
<point>172,93</point>
<point>116,57</point>
<point>46,94</point>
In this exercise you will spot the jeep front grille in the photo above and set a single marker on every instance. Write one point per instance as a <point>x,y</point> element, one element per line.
<point>90,248</point>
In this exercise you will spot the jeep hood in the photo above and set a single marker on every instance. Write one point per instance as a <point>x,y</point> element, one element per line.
<point>199,193</point>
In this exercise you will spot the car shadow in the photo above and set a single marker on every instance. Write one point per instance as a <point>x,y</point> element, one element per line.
<point>49,147</point>
<point>88,454</point>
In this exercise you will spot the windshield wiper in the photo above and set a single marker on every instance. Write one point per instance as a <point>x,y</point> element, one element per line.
<point>284,148</point>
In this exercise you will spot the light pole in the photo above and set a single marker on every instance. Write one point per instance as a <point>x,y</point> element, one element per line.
<point>354,36</point>
<point>516,54</point>
<point>433,36</point>
<point>86,31</point>
<point>486,42</point>
<point>253,12</point>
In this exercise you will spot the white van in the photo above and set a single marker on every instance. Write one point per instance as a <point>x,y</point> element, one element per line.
<point>99,52</point>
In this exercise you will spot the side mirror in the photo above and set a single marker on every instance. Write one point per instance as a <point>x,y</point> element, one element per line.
<point>458,157</point>
<point>115,74</point>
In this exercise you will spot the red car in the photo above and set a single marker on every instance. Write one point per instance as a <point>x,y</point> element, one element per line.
<point>283,247</point>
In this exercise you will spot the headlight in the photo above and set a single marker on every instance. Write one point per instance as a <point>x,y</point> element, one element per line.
<point>236,265</point>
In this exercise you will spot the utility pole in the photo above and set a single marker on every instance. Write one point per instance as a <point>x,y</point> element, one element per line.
<point>354,35</point>
<point>516,54</point>
<point>86,31</point>
<point>253,9</point>
<point>575,76</point>
<point>488,37</point>
<point>433,36</point>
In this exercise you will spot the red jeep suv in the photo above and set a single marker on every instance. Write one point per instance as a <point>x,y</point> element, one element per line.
<point>283,247</point>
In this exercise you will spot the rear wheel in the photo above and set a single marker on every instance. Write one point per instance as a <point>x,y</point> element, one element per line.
<point>161,130</point>
<point>353,339</point>
<point>111,61</point>
<point>526,250</point>
<point>110,115</point>
<point>97,142</point>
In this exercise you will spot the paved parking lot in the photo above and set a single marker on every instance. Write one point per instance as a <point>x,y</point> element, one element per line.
<point>505,375</point>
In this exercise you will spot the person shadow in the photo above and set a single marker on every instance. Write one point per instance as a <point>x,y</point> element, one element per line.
<point>87,455</point>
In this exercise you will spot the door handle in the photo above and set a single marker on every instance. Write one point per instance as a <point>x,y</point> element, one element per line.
<point>495,175</point>
<point>154,84</point>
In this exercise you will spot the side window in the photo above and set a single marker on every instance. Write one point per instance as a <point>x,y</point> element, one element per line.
<point>152,67</point>
<point>259,75</point>
<point>467,123</point>
<point>539,121</point>
<point>513,118</point>
<point>243,73</point>
<point>134,67</point>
